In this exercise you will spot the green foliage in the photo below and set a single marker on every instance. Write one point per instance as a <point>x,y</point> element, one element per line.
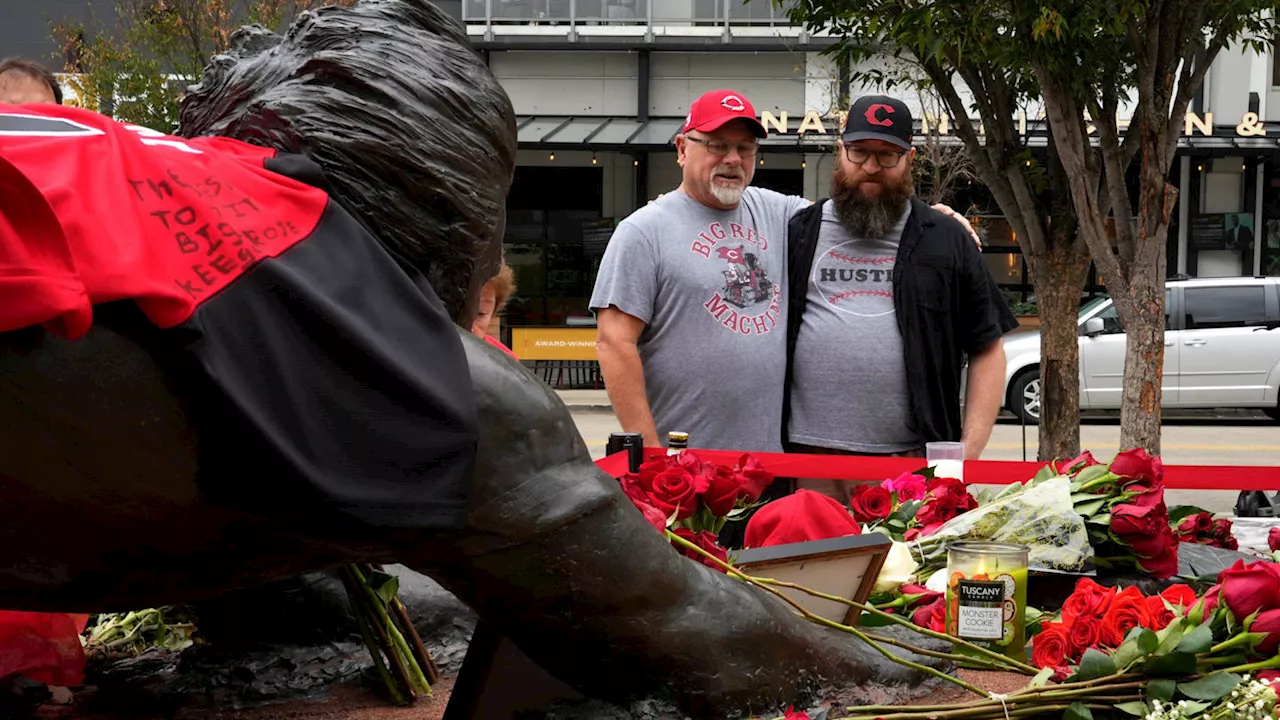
<point>138,67</point>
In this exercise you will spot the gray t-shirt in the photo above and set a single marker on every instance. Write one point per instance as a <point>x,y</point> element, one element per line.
<point>710,286</point>
<point>849,383</point>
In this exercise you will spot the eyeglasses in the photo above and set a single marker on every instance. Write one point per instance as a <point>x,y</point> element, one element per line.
<point>720,148</point>
<point>884,158</point>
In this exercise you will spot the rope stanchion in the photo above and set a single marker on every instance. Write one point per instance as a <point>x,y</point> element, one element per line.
<point>1232,478</point>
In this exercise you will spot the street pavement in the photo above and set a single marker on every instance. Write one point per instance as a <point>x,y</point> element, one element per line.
<point>1242,439</point>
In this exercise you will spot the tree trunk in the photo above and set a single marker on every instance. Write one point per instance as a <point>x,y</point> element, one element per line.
<point>1143,311</point>
<point>1057,283</point>
<point>1143,363</point>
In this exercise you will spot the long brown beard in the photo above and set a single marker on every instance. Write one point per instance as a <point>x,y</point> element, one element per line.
<point>870,217</point>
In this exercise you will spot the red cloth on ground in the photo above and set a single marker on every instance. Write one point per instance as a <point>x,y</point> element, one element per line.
<point>44,647</point>
<point>800,517</point>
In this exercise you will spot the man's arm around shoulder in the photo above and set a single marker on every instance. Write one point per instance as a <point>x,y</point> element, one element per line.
<point>617,347</point>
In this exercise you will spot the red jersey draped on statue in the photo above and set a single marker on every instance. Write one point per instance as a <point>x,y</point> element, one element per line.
<point>110,211</point>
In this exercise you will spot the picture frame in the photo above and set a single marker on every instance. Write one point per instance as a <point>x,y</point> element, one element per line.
<point>846,567</point>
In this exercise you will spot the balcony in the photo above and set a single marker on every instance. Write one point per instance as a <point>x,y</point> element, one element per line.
<point>630,21</point>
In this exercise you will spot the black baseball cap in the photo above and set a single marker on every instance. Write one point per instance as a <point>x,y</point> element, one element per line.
<point>879,117</point>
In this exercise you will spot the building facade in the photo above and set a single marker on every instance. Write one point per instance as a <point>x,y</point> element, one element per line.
<point>601,87</point>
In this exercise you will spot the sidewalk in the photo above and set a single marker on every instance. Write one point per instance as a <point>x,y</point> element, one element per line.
<point>586,400</point>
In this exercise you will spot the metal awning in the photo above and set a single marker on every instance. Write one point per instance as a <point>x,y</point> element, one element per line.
<point>561,132</point>
<point>621,133</point>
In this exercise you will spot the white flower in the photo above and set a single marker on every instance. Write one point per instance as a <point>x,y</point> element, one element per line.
<point>899,567</point>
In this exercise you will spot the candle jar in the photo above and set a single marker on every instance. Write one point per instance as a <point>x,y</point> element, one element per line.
<point>987,596</point>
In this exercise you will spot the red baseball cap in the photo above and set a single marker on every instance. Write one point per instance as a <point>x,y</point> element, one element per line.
<point>718,107</point>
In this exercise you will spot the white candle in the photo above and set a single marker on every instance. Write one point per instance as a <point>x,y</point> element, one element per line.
<point>949,469</point>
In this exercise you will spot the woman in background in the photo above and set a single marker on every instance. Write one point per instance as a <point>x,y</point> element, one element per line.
<point>493,298</point>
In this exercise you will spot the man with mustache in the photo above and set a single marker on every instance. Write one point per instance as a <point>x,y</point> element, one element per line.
<point>689,296</point>
<point>887,297</point>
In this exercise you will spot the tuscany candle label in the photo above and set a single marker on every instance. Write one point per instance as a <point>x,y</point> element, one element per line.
<point>981,609</point>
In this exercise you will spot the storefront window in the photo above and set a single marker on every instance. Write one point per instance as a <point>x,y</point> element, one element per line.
<point>553,244</point>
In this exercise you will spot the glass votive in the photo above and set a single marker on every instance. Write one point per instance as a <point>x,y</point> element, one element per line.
<point>987,596</point>
<point>946,459</point>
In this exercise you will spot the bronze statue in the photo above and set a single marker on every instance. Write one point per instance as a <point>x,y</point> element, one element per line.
<point>143,465</point>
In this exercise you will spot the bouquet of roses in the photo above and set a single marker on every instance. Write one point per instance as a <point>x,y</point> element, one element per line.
<point>910,505</point>
<point>694,499</point>
<point>1123,507</point>
<point>1122,654</point>
<point>1193,525</point>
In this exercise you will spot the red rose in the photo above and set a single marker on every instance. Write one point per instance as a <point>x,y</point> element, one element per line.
<point>1271,676</point>
<point>1205,524</point>
<point>921,532</point>
<point>1137,465</point>
<point>1164,565</point>
<point>1273,539</point>
<point>1089,600</point>
<point>1180,595</point>
<point>1052,647</point>
<point>1161,615</point>
<point>1267,622</point>
<point>871,503</point>
<point>927,596</point>
<point>754,478</point>
<point>1128,611</point>
<point>1211,598</point>
<point>653,516</point>
<point>932,616</point>
<point>1248,588</point>
<point>1139,528</point>
<point>705,540</point>
<point>1188,527</point>
<point>676,489</point>
<point>1084,634</point>
<point>1075,465</point>
<point>723,489</point>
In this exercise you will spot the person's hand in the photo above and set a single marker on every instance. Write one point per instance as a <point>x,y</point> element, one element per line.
<point>946,210</point>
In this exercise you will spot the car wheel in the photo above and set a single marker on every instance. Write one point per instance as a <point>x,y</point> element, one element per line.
<point>1024,397</point>
<point>1273,412</point>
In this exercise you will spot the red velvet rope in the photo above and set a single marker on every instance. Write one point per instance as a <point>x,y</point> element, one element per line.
<point>990,472</point>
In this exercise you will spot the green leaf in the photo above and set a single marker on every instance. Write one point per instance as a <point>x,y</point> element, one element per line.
<point>1045,473</point>
<point>1089,474</point>
<point>1175,664</point>
<point>1197,641</point>
<point>1140,643</point>
<point>1133,708</point>
<point>1161,690</point>
<point>1093,665</point>
<point>1170,636</point>
<point>1210,687</point>
<point>1077,711</point>
<point>1192,707</point>
<point>1089,509</point>
<point>1042,678</point>
<point>384,585</point>
<point>1178,512</point>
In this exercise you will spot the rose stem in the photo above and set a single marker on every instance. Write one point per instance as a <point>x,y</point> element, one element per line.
<point>927,653</point>
<point>404,660</point>
<point>823,621</point>
<point>371,640</point>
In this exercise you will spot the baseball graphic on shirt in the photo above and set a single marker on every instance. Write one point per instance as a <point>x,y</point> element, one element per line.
<point>854,281</point>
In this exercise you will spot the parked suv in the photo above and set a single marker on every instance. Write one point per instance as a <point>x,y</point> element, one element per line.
<point>1221,350</point>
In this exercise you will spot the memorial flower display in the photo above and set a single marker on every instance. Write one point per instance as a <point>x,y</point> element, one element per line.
<point>694,499</point>
<point>1072,515</point>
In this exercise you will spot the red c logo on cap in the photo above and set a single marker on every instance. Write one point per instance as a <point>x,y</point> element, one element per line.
<point>734,103</point>
<point>871,115</point>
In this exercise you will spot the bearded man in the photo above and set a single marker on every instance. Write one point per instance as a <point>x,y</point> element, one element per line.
<point>887,296</point>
